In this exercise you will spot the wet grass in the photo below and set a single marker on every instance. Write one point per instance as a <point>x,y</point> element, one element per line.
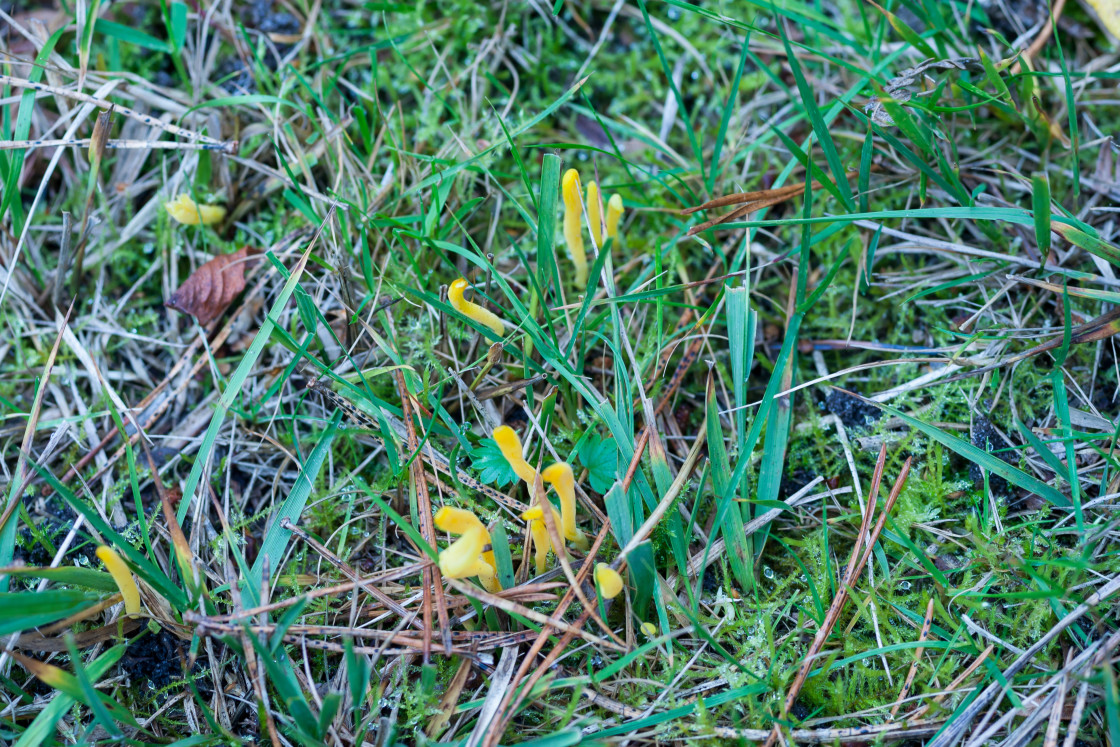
<point>925,309</point>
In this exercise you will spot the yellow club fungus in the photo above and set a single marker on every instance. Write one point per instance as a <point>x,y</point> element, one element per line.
<point>473,310</point>
<point>594,213</point>
<point>561,477</point>
<point>510,444</point>
<point>122,576</point>
<point>542,543</point>
<point>190,213</point>
<point>614,215</point>
<point>463,559</point>
<point>608,581</point>
<point>461,521</point>
<point>573,230</point>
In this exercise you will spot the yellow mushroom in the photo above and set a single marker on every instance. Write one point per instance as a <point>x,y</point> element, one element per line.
<point>561,477</point>
<point>510,444</point>
<point>542,543</point>
<point>473,310</point>
<point>463,559</point>
<point>190,213</point>
<point>461,521</point>
<point>614,215</point>
<point>122,575</point>
<point>608,580</point>
<point>573,231</point>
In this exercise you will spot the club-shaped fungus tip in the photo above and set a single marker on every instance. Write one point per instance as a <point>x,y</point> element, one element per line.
<point>472,310</point>
<point>608,581</point>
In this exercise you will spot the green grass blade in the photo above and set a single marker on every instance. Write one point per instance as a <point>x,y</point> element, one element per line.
<point>820,128</point>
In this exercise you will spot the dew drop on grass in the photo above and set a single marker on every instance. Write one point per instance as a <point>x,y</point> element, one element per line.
<point>768,572</point>
<point>904,585</point>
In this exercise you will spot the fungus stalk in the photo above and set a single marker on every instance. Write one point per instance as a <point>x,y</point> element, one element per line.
<point>573,233</point>
<point>473,310</point>
<point>122,575</point>
<point>542,543</point>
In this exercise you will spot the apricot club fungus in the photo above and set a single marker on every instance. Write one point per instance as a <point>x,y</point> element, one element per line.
<point>122,575</point>
<point>472,310</point>
<point>595,215</point>
<point>614,215</point>
<point>472,554</point>
<point>510,445</point>
<point>188,212</point>
<point>608,581</point>
<point>561,477</point>
<point>573,230</point>
<point>573,214</point>
<point>542,543</point>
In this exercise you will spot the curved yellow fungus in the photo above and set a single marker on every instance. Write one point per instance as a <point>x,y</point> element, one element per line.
<point>614,215</point>
<point>461,521</point>
<point>510,444</point>
<point>573,234</point>
<point>542,543</point>
<point>561,477</point>
<point>123,577</point>
<point>594,213</point>
<point>190,213</point>
<point>608,580</point>
<point>463,559</point>
<point>473,310</point>
<point>456,520</point>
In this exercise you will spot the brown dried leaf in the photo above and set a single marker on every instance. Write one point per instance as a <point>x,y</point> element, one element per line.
<point>212,287</point>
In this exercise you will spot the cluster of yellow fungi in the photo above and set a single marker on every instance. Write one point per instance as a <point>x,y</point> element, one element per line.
<point>573,214</point>
<point>471,555</point>
<point>602,228</point>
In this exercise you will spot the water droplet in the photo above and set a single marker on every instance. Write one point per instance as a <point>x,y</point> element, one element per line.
<point>904,585</point>
<point>768,572</point>
<point>695,75</point>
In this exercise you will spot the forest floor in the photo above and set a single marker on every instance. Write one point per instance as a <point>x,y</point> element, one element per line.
<point>848,435</point>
